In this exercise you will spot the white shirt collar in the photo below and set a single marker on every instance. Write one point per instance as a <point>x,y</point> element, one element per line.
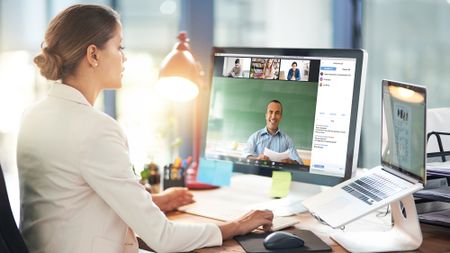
<point>67,92</point>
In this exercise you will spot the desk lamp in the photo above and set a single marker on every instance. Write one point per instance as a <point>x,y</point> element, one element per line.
<point>180,74</point>
<point>180,77</point>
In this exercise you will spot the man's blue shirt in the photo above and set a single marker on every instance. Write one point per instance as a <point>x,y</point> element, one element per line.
<point>278,142</point>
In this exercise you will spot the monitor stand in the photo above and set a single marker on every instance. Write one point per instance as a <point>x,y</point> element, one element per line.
<point>404,235</point>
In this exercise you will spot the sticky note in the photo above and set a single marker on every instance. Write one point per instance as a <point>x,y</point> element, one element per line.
<point>215,172</point>
<point>281,182</point>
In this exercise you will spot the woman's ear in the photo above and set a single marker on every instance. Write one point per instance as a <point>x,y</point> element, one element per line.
<point>91,55</point>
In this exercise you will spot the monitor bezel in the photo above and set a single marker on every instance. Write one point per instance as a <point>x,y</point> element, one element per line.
<point>356,113</point>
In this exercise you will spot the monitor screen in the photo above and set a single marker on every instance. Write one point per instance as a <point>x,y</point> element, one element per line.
<point>403,128</point>
<point>286,109</point>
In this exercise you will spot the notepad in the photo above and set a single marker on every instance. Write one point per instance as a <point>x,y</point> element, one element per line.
<point>215,172</point>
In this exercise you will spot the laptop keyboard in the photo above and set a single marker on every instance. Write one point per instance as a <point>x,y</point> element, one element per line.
<point>373,188</point>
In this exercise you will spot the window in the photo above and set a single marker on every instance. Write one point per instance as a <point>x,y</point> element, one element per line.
<point>265,23</point>
<point>406,40</point>
<point>150,29</point>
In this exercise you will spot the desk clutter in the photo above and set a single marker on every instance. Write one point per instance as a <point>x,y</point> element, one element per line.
<point>151,178</point>
<point>173,174</point>
<point>434,202</point>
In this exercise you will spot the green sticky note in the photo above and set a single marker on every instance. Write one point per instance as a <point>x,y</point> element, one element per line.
<point>281,182</point>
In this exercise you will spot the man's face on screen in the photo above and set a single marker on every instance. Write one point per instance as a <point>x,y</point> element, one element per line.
<point>273,117</point>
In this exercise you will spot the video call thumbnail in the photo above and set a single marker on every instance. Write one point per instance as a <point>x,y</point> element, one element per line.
<point>295,70</point>
<point>267,68</point>
<point>236,67</point>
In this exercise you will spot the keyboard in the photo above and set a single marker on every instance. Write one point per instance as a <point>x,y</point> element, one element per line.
<point>373,188</point>
<point>228,214</point>
<point>282,222</point>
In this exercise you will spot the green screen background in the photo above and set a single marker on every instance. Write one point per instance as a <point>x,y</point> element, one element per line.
<point>238,107</point>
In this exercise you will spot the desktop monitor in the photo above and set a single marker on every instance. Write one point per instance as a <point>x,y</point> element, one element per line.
<point>315,98</point>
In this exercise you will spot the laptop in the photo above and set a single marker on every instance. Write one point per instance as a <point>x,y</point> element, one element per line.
<point>402,171</point>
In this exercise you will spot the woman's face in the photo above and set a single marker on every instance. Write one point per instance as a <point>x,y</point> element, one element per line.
<point>110,61</point>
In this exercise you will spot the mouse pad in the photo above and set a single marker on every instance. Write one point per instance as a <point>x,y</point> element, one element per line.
<point>253,242</point>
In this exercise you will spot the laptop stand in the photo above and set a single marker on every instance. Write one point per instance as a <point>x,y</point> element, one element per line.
<point>404,235</point>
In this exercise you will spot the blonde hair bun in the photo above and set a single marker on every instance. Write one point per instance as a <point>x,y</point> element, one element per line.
<point>50,64</point>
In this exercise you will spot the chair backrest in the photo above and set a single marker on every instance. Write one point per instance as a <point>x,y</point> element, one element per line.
<point>438,120</point>
<point>11,240</point>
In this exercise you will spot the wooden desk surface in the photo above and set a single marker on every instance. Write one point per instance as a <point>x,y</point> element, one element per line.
<point>435,238</point>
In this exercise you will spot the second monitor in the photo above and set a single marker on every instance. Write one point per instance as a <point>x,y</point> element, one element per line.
<point>298,110</point>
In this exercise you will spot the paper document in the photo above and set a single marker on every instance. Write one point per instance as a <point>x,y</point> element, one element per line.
<point>275,156</point>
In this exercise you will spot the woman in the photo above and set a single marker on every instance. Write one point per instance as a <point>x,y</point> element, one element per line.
<point>236,70</point>
<point>294,73</point>
<point>268,69</point>
<point>78,192</point>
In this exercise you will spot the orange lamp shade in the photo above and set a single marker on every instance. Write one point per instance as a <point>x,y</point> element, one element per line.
<point>180,74</point>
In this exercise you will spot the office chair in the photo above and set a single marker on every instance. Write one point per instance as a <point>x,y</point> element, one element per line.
<point>11,240</point>
<point>438,126</point>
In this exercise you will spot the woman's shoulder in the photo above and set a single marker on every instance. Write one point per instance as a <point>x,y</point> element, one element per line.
<point>98,119</point>
<point>98,125</point>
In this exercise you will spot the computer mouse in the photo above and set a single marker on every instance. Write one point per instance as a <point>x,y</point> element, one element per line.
<point>282,240</point>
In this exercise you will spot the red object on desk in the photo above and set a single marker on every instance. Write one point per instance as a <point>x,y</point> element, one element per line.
<point>191,179</point>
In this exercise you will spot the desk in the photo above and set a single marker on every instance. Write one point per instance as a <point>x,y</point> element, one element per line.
<point>436,239</point>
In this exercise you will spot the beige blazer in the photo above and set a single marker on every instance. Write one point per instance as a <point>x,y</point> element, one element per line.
<point>78,192</point>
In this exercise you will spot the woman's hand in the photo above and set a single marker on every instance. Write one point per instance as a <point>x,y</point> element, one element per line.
<point>247,223</point>
<point>172,198</point>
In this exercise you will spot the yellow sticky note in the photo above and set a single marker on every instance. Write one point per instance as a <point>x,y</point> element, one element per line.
<point>281,182</point>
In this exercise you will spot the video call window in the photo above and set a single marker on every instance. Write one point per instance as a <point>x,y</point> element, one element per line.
<point>235,116</point>
<point>265,68</point>
<point>294,70</point>
<point>236,67</point>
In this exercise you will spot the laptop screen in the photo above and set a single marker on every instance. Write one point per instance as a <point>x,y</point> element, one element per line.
<point>403,128</point>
